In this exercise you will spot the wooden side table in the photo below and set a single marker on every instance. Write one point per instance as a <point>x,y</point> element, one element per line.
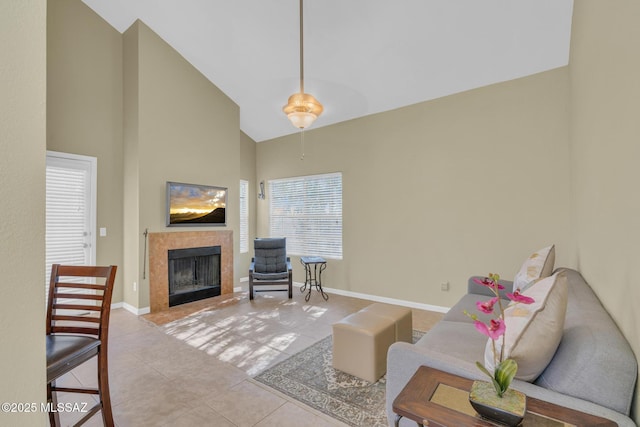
<point>436,398</point>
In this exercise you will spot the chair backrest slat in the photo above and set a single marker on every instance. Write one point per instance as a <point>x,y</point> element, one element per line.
<point>76,318</point>
<point>80,300</point>
<point>76,307</point>
<point>76,330</point>
<point>82,286</point>
<point>62,295</point>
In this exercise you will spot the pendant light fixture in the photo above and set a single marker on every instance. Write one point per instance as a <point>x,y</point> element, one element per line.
<point>302,109</point>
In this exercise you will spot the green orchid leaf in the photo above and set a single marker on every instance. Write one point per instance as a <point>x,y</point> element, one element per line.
<point>499,390</point>
<point>483,369</point>
<point>505,372</point>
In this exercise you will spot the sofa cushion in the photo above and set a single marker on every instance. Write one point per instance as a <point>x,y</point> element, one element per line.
<point>594,361</point>
<point>537,266</point>
<point>533,331</point>
<point>459,342</point>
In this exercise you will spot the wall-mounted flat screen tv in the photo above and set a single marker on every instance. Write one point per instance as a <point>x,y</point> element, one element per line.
<point>195,205</point>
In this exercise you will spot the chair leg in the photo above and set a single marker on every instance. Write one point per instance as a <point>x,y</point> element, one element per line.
<point>54,417</point>
<point>103,387</point>
<point>290,285</point>
<point>250,287</point>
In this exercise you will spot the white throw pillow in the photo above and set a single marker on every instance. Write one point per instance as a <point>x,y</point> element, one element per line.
<point>538,265</point>
<point>533,331</point>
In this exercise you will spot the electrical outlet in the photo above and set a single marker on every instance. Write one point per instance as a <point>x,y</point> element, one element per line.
<point>444,286</point>
<point>135,286</point>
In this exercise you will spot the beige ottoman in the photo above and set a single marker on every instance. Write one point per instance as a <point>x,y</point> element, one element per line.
<point>360,344</point>
<point>401,316</point>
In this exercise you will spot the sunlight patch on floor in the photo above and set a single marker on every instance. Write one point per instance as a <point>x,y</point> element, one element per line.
<point>315,311</point>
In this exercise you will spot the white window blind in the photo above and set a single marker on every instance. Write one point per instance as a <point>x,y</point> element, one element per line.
<point>244,216</point>
<point>70,201</point>
<point>307,211</point>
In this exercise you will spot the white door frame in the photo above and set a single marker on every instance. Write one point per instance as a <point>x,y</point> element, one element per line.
<point>92,214</point>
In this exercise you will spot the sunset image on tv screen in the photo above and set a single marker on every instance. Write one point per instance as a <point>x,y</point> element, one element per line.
<point>196,204</point>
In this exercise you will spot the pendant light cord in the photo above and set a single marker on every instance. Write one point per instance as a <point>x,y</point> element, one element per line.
<point>301,74</point>
<point>301,50</point>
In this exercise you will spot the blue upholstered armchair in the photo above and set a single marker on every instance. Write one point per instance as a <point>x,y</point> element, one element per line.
<point>270,266</point>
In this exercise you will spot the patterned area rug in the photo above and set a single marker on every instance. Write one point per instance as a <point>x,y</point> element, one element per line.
<point>309,377</point>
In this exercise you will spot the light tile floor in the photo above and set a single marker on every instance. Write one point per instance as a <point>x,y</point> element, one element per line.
<point>193,364</point>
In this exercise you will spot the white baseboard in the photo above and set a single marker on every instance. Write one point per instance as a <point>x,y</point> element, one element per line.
<point>244,279</point>
<point>410,304</point>
<point>134,310</point>
<point>386,300</point>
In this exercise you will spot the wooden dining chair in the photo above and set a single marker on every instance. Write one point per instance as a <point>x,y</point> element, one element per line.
<point>77,329</point>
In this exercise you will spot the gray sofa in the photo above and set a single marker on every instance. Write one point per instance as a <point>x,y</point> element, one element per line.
<point>593,370</point>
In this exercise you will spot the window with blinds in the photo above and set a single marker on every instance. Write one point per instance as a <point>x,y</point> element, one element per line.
<point>244,216</point>
<point>307,210</point>
<point>70,211</point>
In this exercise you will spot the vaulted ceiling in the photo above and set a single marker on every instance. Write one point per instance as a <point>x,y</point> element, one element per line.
<point>361,56</point>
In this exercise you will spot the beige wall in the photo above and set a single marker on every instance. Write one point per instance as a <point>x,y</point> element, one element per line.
<point>133,238</point>
<point>468,184</point>
<point>184,129</point>
<point>22,220</point>
<point>605,126</point>
<point>84,110</point>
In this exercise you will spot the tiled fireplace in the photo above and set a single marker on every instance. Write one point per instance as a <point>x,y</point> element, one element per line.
<point>161,243</point>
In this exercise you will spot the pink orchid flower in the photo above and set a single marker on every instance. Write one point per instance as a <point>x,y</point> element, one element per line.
<point>504,370</point>
<point>488,283</point>
<point>487,306</point>
<point>518,297</point>
<point>494,330</point>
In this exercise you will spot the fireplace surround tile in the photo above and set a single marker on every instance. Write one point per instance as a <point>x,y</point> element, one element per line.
<point>159,245</point>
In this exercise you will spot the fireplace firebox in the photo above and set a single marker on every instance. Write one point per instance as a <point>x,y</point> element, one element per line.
<point>194,274</point>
